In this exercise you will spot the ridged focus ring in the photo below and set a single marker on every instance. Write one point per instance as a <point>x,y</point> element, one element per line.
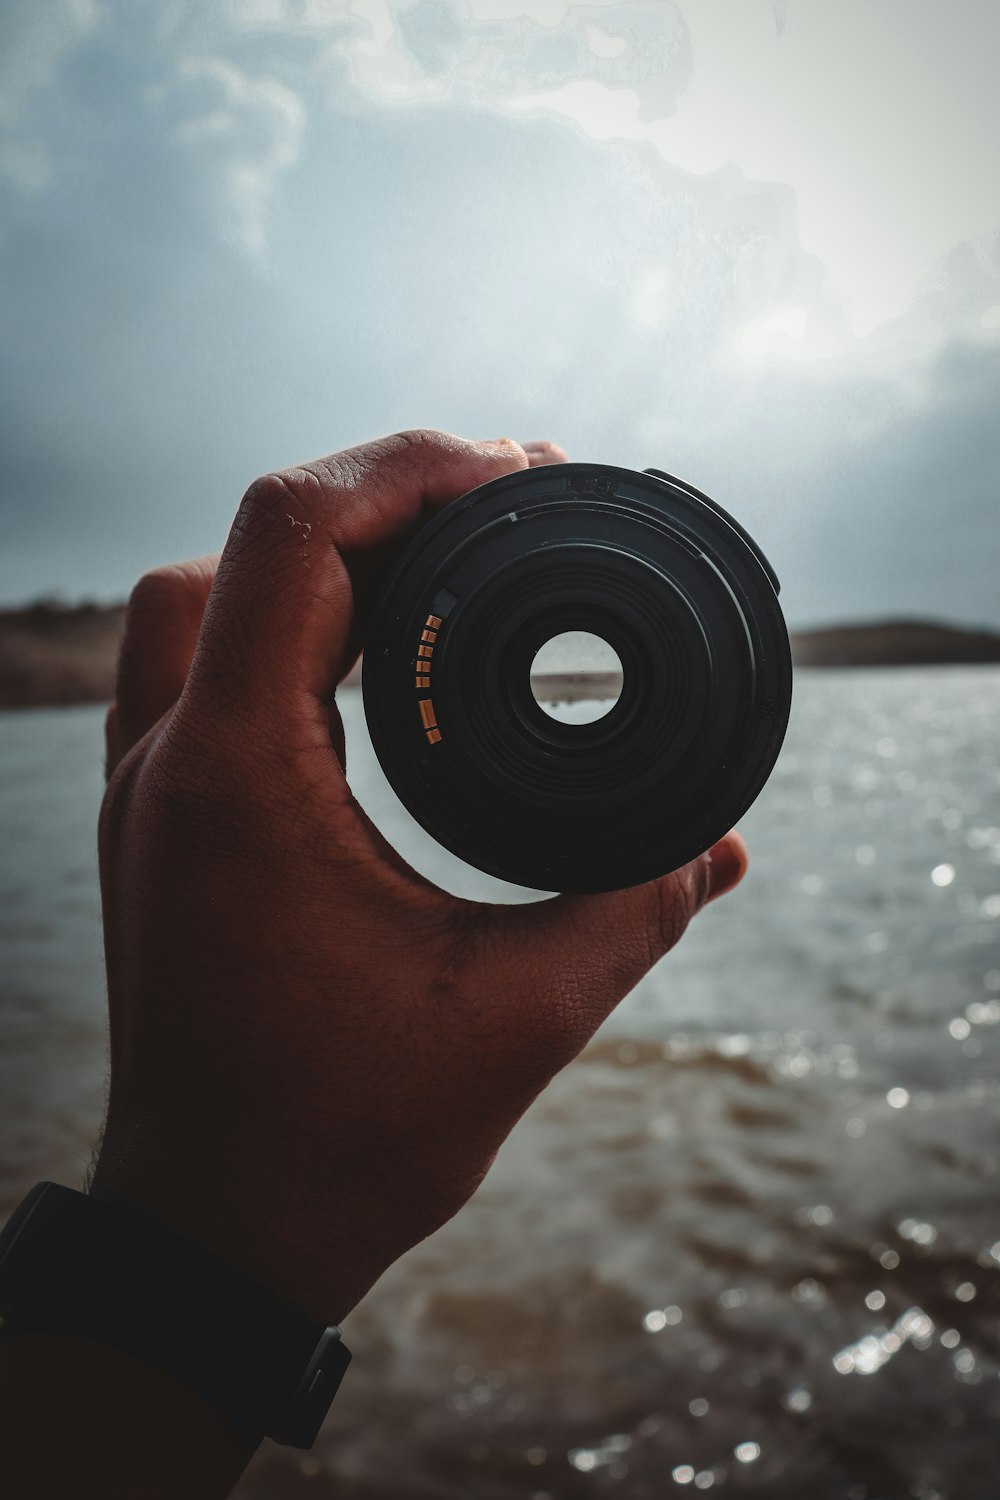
<point>666,578</point>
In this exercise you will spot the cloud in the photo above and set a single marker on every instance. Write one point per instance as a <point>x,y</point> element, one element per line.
<point>895,113</point>
<point>492,53</point>
<point>33,41</point>
<point>249,127</point>
<point>242,255</point>
<point>895,117</point>
<point>894,108</point>
<point>887,172</point>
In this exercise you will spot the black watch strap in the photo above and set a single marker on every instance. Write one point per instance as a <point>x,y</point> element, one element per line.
<point>73,1264</point>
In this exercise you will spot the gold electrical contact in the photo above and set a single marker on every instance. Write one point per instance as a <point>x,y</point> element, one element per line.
<point>422,681</point>
<point>427,713</point>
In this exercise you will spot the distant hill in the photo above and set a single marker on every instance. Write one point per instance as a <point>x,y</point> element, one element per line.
<point>894,643</point>
<point>55,654</point>
<point>52,654</point>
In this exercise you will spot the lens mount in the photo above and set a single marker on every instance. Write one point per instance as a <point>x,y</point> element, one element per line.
<point>670,582</point>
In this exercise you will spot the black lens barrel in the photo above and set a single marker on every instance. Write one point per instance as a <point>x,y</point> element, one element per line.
<point>671,582</point>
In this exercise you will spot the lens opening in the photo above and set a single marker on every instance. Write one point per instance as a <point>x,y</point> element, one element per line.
<point>576,677</point>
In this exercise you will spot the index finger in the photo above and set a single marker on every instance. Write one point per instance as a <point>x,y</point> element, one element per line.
<point>279,619</point>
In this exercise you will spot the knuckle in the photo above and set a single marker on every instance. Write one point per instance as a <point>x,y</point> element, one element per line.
<point>164,598</point>
<point>272,494</point>
<point>181,788</point>
<point>277,509</point>
<point>675,901</point>
<point>701,881</point>
<point>427,447</point>
<point>198,789</point>
<point>119,795</point>
<point>155,591</point>
<point>291,496</point>
<point>429,440</point>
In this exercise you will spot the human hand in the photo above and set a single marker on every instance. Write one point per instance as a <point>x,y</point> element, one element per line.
<point>316,1053</point>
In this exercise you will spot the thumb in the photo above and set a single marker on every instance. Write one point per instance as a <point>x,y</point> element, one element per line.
<point>585,953</point>
<point>278,629</point>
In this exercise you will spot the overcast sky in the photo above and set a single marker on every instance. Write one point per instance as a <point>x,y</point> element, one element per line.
<point>753,242</point>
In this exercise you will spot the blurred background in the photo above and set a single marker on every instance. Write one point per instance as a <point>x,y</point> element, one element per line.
<point>750,1239</point>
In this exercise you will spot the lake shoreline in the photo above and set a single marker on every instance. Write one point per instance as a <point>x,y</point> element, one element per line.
<point>53,655</point>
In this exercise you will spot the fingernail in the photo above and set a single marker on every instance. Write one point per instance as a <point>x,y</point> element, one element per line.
<point>728,864</point>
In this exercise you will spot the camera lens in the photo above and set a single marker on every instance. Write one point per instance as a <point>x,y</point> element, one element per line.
<point>577,677</point>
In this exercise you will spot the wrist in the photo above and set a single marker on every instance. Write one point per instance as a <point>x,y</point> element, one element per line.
<point>259,1230</point>
<point>80,1268</point>
<point>71,1406</point>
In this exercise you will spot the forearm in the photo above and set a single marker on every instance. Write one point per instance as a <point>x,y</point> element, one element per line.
<point>79,1417</point>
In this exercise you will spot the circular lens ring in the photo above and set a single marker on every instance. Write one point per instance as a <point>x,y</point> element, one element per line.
<point>674,586</point>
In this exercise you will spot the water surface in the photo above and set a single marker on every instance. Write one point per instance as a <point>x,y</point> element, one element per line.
<point>750,1240</point>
